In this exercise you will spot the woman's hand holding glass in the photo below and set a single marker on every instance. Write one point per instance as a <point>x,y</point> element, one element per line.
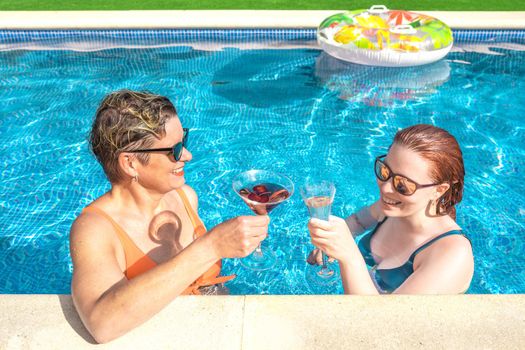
<point>240,236</point>
<point>334,238</point>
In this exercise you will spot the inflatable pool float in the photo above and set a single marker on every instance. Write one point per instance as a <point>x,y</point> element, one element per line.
<point>381,37</point>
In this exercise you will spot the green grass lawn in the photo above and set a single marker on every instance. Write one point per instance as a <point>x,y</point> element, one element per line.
<point>435,5</point>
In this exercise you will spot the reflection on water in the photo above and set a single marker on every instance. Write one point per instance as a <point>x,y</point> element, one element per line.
<point>270,109</point>
<point>380,86</point>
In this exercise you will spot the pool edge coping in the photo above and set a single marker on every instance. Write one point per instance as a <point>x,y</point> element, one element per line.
<point>228,19</point>
<point>295,322</point>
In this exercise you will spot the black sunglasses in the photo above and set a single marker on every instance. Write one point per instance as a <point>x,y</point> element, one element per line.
<point>402,184</point>
<point>175,151</point>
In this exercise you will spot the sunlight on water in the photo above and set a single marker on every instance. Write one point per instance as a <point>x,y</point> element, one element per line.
<point>296,111</point>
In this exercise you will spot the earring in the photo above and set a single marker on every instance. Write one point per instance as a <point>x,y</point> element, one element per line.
<point>136,177</point>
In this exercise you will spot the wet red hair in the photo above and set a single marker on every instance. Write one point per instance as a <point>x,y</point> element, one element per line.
<point>442,150</point>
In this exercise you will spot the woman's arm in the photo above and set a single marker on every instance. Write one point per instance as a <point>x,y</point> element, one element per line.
<point>446,267</point>
<point>359,222</point>
<point>110,305</point>
<point>364,219</point>
<point>336,240</point>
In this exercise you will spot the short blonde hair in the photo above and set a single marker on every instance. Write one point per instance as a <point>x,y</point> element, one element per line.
<point>124,121</point>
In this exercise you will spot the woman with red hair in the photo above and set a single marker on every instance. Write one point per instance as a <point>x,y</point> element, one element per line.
<point>415,246</point>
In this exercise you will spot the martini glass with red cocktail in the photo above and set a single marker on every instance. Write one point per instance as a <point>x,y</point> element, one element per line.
<point>262,191</point>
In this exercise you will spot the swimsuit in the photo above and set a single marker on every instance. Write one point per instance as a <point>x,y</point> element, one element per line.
<point>137,262</point>
<point>388,280</point>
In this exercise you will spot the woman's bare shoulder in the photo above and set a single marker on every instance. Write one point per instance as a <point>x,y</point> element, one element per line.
<point>455,244</point>
<point>93,243</point>
<point>90,226</point>
<point>452,249</point>
<point>190,193</point>
<point>444,267</point>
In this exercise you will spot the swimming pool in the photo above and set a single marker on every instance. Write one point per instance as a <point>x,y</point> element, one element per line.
<point>255,99</point>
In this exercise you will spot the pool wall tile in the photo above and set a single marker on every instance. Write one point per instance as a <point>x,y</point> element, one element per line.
<point>92,39</point>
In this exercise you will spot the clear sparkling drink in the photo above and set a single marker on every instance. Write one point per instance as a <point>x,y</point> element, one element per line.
<point>319,207</point>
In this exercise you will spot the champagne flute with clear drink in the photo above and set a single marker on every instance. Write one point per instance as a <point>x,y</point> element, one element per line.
<point>318,196</point>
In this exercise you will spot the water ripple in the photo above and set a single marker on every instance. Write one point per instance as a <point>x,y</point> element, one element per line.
<point>295,111</point>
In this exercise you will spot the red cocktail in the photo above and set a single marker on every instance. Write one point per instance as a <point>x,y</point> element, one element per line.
<point>262,191</point>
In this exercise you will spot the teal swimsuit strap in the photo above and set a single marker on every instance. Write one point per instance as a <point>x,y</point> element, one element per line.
<point>365,241</point>
<point>448,233</point>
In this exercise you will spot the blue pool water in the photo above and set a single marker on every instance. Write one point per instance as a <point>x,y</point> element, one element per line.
<point>293,110</point>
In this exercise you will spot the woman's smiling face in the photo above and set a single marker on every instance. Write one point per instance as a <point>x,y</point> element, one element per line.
<point>405,162</point>
<point>162,172</point>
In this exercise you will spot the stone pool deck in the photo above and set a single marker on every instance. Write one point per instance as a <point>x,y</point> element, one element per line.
<point>281,322</point>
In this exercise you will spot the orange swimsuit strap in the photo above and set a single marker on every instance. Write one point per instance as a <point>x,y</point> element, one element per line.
<point>211,276</point>
<point>138,262</point>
